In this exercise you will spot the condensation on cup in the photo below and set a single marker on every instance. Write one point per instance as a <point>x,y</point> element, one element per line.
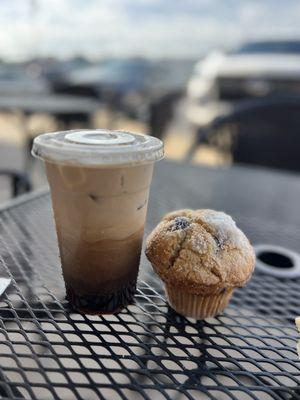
<point>99,183</point>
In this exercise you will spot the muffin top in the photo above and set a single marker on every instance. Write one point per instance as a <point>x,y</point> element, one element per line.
<point>202,251</point>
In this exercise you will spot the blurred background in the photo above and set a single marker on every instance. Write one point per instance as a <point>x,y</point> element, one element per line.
<point>218,81</point>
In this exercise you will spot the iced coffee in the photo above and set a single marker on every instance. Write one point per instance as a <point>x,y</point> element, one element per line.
<point>99,184</point>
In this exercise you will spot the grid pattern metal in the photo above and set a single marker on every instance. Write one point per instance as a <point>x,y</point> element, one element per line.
<point>147,351</point>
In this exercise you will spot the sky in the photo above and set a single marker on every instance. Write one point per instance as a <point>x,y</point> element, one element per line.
<point>150,28</point>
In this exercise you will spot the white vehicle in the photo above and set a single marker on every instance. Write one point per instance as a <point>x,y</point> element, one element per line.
<point>254,70</point>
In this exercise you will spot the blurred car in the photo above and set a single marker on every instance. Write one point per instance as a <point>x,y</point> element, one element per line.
<point>256,69</point>
<point>129,85</point>
<point>113,81</point>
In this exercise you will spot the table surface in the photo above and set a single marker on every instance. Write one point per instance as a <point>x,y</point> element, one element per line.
<point>147,351</point>
<point>49,103</point>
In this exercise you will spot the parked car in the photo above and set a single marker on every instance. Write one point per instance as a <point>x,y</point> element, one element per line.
<point>130,85</point>
<point>256,69</point>
<point>113,81</point>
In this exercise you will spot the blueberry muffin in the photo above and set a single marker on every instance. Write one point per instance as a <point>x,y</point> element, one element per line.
<point>201,256</point>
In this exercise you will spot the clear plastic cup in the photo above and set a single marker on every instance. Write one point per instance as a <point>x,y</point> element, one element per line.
<point>99,183</point>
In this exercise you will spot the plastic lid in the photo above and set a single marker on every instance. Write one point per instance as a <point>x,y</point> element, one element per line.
<point>97,147</point>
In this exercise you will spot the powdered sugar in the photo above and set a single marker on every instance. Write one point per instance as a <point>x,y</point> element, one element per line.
<point>224,229</point>
<point>198,244</point>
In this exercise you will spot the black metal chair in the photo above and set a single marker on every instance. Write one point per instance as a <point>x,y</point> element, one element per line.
<point>264,132</point>
<point>19,182</point>
<point>161,111</point>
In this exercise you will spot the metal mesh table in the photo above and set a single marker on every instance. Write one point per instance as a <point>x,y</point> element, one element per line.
<point>147,351</point>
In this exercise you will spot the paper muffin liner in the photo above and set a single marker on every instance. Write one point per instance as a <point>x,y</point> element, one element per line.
<point>197,306</point>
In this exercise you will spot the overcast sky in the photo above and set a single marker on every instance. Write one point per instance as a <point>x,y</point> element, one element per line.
<point>152,28</point>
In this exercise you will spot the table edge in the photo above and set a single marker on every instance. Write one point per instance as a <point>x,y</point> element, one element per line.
<point>24,198</point>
